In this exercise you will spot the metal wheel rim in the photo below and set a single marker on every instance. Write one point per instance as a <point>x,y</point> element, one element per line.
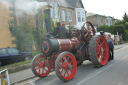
<point>41,66</point>
<point>102,52</point>
<point>65,62</point>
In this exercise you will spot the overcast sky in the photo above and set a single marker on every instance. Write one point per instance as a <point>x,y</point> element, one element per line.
<point>114,8</point>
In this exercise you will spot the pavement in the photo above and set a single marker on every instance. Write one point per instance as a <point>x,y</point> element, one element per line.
<point>27,74</point>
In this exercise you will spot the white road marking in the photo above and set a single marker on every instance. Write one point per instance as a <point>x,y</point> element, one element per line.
<point>90,76</point>
<point>51,81</point>
<point>124,57</point>
<point>120,48</point>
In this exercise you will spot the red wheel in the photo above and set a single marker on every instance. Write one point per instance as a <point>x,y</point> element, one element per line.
<point>65,66</point>
<point>98,50</point>
<point>40,66</point>
<point>102,52</point>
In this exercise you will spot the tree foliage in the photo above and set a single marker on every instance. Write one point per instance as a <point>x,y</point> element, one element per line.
<point>26,35</point>
<point>125,17</point>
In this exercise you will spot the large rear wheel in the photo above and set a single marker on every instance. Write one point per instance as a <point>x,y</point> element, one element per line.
<point>40,66</point>
<point>98,50</point>
<point>65,66</point>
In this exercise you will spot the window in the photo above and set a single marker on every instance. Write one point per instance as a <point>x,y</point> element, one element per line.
<point>12,51</point>
<point>69,15</point>
<point>78,16</point>
<point>106,21</point>
<point>101,21</point>
<point>83,16</point>
<point>64,15</point>
<point>54,10</point>
<point>3,51</point>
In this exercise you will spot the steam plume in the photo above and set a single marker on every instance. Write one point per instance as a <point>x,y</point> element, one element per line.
<point>26,6</point>
<point>29,7</point>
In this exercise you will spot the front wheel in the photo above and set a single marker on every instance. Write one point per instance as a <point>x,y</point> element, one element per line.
<point>65,66</point>
<point>40,66</point>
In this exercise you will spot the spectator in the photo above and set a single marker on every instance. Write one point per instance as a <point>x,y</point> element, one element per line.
<point>111,38</point>
<point>111,48</point>
<point>121,39</point>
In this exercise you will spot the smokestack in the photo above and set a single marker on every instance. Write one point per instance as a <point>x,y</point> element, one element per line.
<point>47,13</point>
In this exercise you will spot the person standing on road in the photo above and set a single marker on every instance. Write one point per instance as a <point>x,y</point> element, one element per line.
<point>111,48</point>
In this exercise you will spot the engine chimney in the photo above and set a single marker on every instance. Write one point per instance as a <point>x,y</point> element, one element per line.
<point>47,13</point>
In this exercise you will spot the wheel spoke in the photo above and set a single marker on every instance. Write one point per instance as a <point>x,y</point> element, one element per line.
<point>97,44</point>
<point>39,70</point>
<point>38,61</point>
<point>36,64</point>
<point>67,73</point>
<point>71,61</point>
<point>65,59</point>
<point>36,68</point>
<point>62,66</point>
<point>61,70</point>
<point>45,69</point>
<point>102,43</point>
<point>70,70</point>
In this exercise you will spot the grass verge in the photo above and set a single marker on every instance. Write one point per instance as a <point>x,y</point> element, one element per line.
<point>15,64</point>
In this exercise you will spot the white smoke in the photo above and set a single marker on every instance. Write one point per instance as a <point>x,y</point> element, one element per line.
<point>5,2</point>
<point>29,7</point>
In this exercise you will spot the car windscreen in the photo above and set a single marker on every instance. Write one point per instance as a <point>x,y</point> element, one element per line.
<point>12,51</point>
<point>3,51</point>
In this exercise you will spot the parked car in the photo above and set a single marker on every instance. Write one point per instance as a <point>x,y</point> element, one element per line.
<point>9,55</point>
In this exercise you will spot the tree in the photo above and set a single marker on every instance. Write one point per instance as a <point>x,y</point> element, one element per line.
<point>125,17</point>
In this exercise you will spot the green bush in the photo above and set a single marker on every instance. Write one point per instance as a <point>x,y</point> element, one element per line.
<point>103,28</point>
<point>112,29</point>
<point>126,25</point>
<point>36,52</point>
<point>117,28</point>
<point>124,35</point>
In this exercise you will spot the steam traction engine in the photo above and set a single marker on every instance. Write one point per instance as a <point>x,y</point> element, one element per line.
<point>63,55</point>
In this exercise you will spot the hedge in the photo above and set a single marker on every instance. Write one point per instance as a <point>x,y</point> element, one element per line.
<point>114,29</point>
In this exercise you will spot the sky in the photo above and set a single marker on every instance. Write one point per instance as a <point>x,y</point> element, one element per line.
<point>114,8</point>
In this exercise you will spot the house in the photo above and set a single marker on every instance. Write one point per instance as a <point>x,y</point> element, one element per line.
<point>6,39</point>
<point>68,11</point>
<point>63,11</point>
<point>100,20</point>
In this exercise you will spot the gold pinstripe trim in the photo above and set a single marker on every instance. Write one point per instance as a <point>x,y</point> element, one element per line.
<point>70,44</point>
<point>77,41</point>
<point>59,45</point>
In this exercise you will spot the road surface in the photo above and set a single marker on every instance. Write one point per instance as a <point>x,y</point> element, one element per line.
<point>114,72</point>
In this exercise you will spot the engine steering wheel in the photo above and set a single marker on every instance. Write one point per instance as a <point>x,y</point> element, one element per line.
<point>87,33</point>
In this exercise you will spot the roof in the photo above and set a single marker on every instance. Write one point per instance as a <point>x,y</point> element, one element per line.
<point>93,14</point>
<point>70,3</point>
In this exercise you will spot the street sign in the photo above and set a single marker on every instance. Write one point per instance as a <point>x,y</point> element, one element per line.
<point>4,77</point>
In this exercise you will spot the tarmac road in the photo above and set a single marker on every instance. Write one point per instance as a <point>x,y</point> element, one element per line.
<point>114,72</point>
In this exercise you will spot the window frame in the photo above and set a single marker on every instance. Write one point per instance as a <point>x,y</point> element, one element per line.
<point>64,15</point>
<point>70,15</point>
